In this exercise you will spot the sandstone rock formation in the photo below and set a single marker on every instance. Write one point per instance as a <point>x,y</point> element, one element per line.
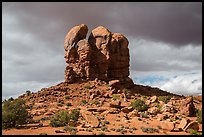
<point>104,55</point>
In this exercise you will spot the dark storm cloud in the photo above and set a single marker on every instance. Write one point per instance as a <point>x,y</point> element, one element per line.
<point>176,23</point>
<point>33,36</point>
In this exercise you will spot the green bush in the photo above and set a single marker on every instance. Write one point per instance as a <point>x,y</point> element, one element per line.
<point>83,102</point>
<point>115,96</point>
<point>126,90</point>
<point>88,87</point>
<point>139,105</point>
<point>94,102</point>
<point>28,93</point>
<point>69,104</point>
<point>43,134</point>
<point>67,97</point>
<point>62,118</point>
<point>14,113</point>
<point>70,129</point>
<point>165,99</point>
<point>74,115</point>
<point>199,115</point>
<point>149,130</point>
<point>193,132</point>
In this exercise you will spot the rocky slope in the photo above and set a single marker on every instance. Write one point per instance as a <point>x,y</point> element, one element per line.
<point>108,109</point>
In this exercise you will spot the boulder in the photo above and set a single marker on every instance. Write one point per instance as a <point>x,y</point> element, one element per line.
<point>166,125</point>
<point>90,118</point>
<point>188,107</point>
<point>183,123</point>
<point>127,109</point>
<point>192,125</point>
<point>114,84</point>
<point>153,110</point>
<point>115,103</point>
<point>153,99</point>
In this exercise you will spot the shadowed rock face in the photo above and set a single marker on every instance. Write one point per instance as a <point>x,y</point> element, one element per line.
<point>104,56</point>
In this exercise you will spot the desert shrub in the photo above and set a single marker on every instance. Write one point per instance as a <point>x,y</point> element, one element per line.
<point>106,122</point>
<point>67,97</point>
<point>193,132</point>
<point>149,130</point>
<point>44,118</point>
<point>60,104</point>
<point>144,115</point>
<point>94,102</point>
<point>199,115</point>
<point>115,96</point>
<point>10,99</point>
<point>158,106</point>
<point>126,90</point>
<point>70,129</point>
<point>165,99</point>
<point>60,119</point>
<point>103,128</point>
<point>61,101</point>
<point>14,113</point>
<point>43,134</point>
<point>134,128</point>
<point>101,133</point>
<point>74,115</point>
<point>28,92</point>
<point>139,105</point>
<point>88,86</point>
<point>83,102</point>
<point>69,104</point>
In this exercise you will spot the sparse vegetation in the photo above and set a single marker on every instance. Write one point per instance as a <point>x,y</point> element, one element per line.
<point>88,87</point>
<point>69,104</point>
<point>165,99</point>
<point>67,97</point>
<point>106,122</point>
<point>149,130</point>
<point>70,129</point>
<point>45,118</point>
<point>14,113</point>
<point>43,134</point>
<point>101,133</point>
<point>83,102</point>
<point>193,132</point>
<point>134,128</point>
<point>74,115</point>
<point>94,102</point>
<point>199,115</point>
<point>28,93</point>
<point>126,91</point>
<point>144,115</point>
<point>59,104</point>
<point>115,96</point>
<point>62,118</point>
<point>139,105</point>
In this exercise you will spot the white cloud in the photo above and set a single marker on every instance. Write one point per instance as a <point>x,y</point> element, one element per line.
<point>15,89</point>
<point>186,84</point>
<point>165,66</point>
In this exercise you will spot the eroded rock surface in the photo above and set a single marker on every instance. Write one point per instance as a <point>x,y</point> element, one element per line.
<point>104,55</point>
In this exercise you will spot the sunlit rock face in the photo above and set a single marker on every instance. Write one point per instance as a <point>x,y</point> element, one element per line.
<point>104,55</point>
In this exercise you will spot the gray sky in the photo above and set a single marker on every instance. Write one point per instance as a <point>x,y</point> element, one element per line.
<point>165,41</point>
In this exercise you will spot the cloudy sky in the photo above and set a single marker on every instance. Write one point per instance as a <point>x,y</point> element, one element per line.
<point>165,42</point>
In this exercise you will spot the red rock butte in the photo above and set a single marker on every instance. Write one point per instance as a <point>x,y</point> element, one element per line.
<point>104,56</point>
